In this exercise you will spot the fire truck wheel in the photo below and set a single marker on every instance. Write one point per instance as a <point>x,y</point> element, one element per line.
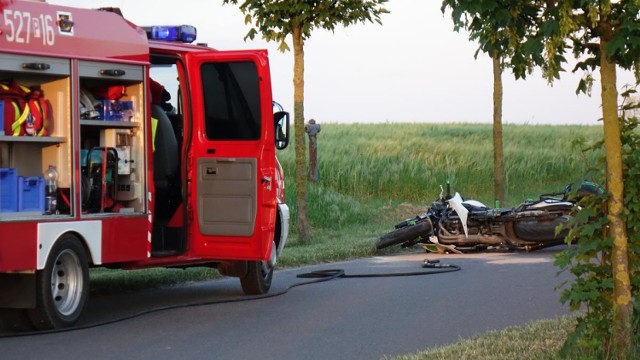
<point>62,286</point>
<point>258,278</point>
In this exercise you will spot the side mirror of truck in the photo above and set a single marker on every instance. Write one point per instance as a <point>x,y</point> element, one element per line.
<point>281,121</point>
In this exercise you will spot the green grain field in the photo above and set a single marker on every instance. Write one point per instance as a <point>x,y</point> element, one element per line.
<point>393,164</point>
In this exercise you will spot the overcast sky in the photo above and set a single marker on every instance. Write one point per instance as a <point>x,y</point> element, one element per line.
<point>413,68</point>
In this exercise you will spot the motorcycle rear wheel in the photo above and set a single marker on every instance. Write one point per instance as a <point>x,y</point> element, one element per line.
<point>404,234</point>
<point>542,230</point>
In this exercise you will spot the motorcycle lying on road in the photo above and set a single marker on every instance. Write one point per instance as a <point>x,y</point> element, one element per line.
<point>453,224</point>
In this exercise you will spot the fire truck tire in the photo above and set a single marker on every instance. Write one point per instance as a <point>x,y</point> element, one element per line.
<point>62,286</point>
<point>258,279</point>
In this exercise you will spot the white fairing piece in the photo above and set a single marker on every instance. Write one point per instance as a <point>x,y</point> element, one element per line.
<point>475,203</point>
<point>456,204</point>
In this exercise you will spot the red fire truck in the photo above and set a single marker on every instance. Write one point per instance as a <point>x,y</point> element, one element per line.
<point>130,148</point>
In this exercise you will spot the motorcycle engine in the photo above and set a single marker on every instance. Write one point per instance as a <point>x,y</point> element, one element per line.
<point>453,226</point>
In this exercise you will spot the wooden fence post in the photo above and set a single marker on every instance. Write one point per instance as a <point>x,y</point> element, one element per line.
<point>312,129</point>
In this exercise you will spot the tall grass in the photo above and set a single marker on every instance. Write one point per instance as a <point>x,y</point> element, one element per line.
<point>394,163</point>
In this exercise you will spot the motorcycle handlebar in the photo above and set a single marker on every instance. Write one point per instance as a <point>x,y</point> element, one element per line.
<point>565,193</point>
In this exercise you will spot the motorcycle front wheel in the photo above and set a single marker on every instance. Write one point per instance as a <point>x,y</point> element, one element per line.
<point>404,234</point>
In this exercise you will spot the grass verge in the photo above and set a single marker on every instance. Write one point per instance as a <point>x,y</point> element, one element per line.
<point>540,340</point>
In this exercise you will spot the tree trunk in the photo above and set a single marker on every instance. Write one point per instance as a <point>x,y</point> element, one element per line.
<point>622,301</point>
<point>304,230</point>
<point>498,153</point>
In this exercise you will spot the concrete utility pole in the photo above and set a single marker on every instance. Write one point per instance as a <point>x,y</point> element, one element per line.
<point>312,129</point>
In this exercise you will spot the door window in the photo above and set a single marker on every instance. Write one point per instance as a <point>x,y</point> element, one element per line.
<point>231,101</point>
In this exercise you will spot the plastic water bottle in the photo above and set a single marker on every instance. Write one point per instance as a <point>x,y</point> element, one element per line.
<point>50,190</point>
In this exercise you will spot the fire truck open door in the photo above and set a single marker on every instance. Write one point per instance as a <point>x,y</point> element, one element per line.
<point>233,156</point>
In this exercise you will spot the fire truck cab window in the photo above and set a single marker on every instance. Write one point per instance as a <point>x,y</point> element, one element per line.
<point>231,101</point>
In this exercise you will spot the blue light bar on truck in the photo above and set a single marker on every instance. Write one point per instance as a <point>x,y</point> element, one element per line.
<point>181,33</point>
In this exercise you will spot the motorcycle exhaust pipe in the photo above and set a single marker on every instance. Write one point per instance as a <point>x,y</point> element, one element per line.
<point>447,238</point>
<point>531,213</point>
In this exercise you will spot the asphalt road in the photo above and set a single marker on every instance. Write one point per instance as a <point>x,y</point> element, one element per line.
<point>338,319</point>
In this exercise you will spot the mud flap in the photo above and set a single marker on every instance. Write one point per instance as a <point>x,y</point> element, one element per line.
<point>19,291</point>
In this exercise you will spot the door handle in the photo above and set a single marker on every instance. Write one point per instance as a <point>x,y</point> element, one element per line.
<point>267,180</point>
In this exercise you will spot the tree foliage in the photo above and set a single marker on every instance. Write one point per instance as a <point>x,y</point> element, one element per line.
<point>274,20</point>
<point>508,27</point>
<point>579,28</point>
